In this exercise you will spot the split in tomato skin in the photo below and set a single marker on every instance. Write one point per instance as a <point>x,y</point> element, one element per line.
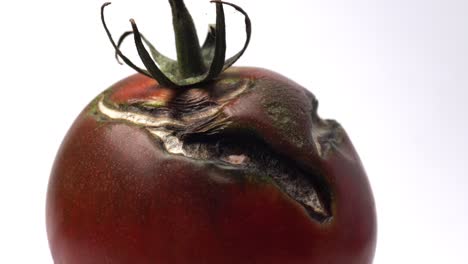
<point>117,194</point>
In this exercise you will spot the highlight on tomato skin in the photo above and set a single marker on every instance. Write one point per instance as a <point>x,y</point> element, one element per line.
<point>194,161</point>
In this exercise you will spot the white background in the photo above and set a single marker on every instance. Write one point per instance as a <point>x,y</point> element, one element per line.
<point>393,72</point>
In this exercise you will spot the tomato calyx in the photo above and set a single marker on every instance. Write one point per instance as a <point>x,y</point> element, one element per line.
<point>194,64</point>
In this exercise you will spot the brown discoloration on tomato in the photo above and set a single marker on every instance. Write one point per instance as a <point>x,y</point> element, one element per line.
<point>115,196</point>
<point>276,110</point>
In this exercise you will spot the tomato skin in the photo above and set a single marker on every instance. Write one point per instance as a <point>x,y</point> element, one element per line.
<point>115,196</point>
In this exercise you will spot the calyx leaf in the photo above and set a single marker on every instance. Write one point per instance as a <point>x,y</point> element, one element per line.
<point>167,71</point>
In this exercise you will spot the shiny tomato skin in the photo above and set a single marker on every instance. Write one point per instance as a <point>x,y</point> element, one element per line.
<point>115,196</point>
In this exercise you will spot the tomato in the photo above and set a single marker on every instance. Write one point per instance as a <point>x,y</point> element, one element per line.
<point>233,169</point>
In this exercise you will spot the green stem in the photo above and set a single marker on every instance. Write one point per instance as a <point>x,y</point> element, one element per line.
<point>189,55</point>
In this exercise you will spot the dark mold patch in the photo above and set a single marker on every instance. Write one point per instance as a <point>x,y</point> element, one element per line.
<point>247,152</point>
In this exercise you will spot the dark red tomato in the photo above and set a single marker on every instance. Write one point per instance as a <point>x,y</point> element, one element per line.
<point>251,176</point>
<point>239,169</point>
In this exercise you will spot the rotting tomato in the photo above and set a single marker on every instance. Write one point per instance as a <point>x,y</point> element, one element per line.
<point>196,162</point>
